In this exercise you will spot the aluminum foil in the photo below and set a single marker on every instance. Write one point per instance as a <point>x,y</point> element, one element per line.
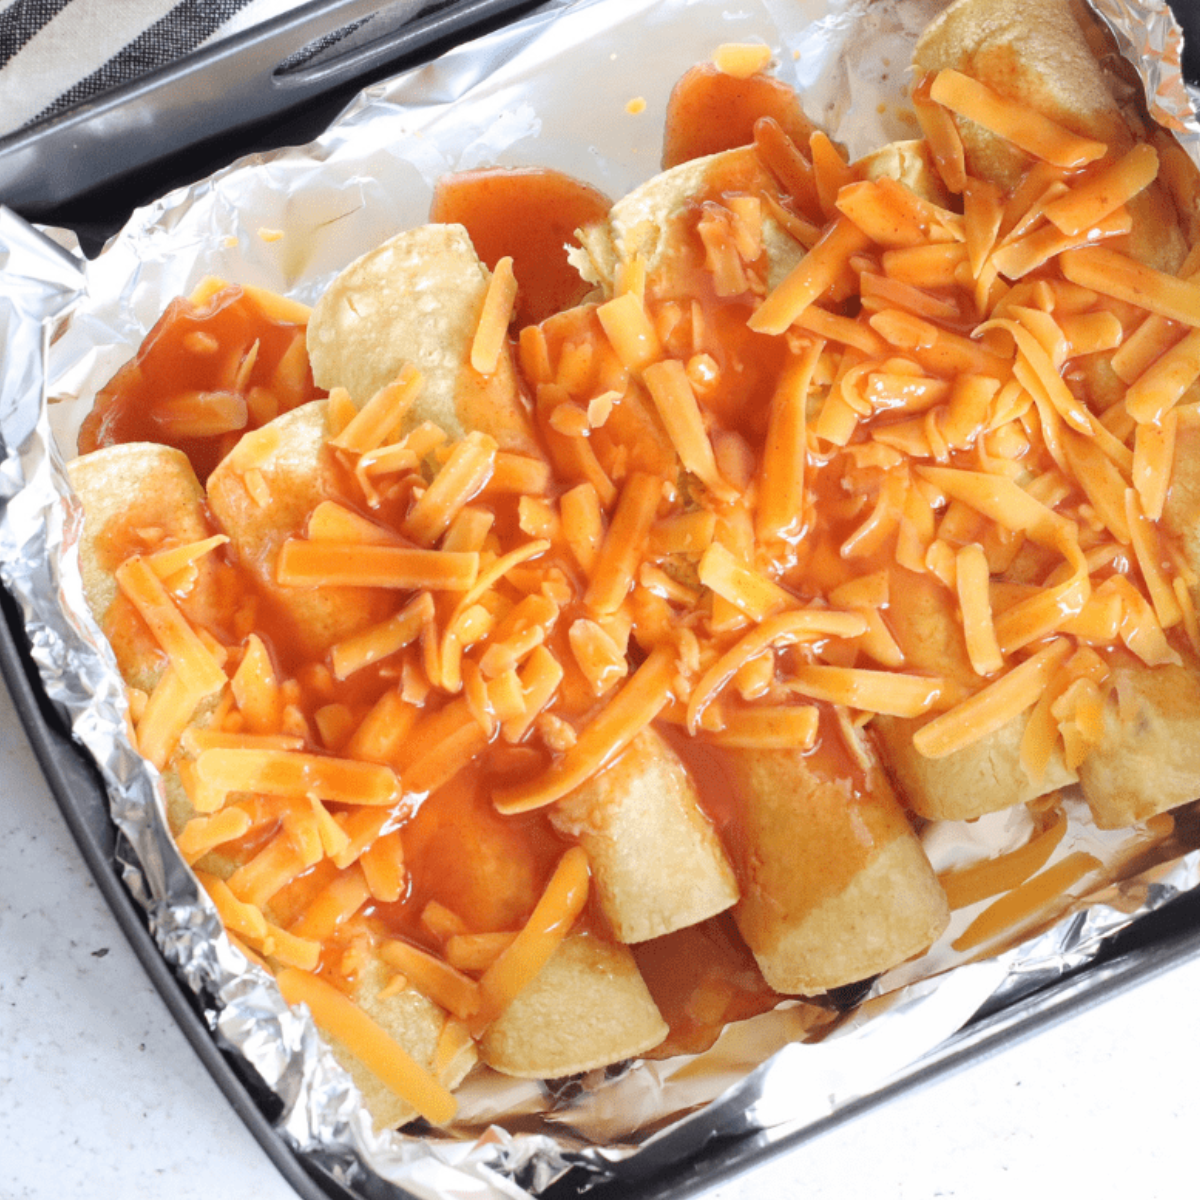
<point>511,98</point>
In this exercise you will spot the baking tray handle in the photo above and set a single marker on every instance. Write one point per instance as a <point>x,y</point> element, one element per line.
<point>237,82</point>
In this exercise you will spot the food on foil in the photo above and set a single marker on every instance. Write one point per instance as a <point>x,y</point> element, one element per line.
<point>553,653</point>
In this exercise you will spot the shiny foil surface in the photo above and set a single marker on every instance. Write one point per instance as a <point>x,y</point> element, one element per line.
<point>513,99</point>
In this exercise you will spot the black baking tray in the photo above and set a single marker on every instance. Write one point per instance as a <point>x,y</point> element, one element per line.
<point>279,83</point>
<point>82,171</point>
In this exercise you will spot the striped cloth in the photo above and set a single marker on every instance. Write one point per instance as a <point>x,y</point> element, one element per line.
<point>55,54</point>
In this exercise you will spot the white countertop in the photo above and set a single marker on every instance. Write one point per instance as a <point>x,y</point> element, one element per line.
<point>102,1097</point>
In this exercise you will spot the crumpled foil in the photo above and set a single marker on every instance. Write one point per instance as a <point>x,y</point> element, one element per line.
<point>512,98</point>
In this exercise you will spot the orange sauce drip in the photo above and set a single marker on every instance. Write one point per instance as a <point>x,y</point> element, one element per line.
<point>528,214</point>
<point>702,978</point>
<point>486,868</point>
<point>710,111</point>
<point>177,358</point>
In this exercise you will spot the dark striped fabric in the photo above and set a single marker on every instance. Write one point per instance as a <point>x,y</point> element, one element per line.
<point>22,21</point>
<point>58,54</point>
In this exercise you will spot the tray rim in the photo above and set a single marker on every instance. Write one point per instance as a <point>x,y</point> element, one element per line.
<point>102,143</point>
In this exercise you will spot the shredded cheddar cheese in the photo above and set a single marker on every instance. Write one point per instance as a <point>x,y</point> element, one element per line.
<point>1028,899</point>
<point>492,331</point>
<point>198,671</point>
<point>922,475</point>
<point>741,60</point>
<point>382,414</point>
<point>1018,124</point>
<point>969,885</point>
<point>340,1017</point>
<point>550,922</point>
<point>337,564</point>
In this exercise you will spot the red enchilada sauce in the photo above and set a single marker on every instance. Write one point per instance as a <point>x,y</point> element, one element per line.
<point>529,215</point>
<point>205,374</point>
<point>710,111</point>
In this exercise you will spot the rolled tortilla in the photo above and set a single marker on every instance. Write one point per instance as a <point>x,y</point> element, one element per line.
<point>1030,51</point>
<point>657,864</point>
<point>291,470</point>
<point>835,884</point>
<point>138,498</point>
<point>908,162</point>
<point>417,299</point>
<point>982,777</point>
<point>1148,760</point>
<point>656,223</point>
<point>1040,55</point>
<point>1034,52</point>
<point>588,1007</point>
<point>130,492</point>
<point>413,1021</point>
<point>145,487</point>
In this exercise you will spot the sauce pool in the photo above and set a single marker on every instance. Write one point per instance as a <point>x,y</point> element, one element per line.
<point>528,214</point>
<point>710,111</point>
